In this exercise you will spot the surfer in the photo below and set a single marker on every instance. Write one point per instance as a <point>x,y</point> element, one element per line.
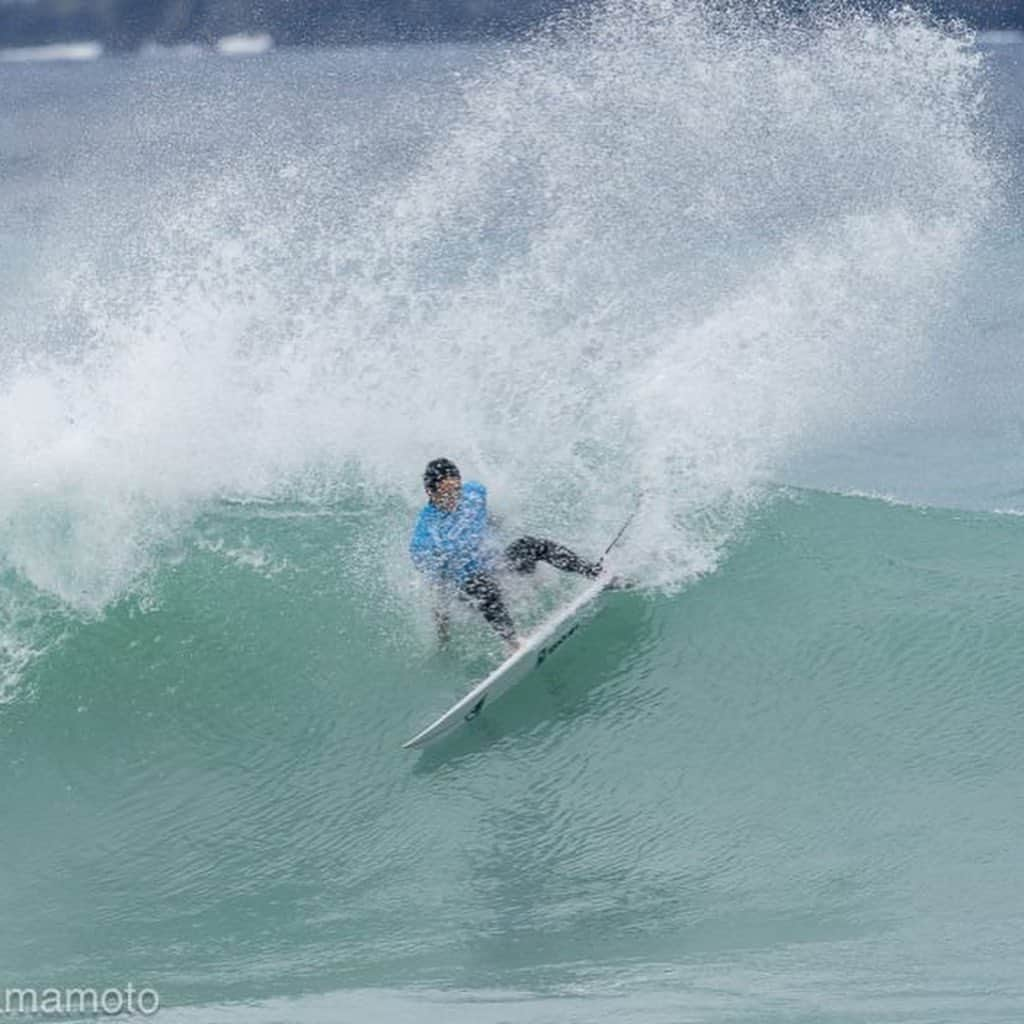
<point>453,547</point>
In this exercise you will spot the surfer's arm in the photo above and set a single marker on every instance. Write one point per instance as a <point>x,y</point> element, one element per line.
<point>427,554</point>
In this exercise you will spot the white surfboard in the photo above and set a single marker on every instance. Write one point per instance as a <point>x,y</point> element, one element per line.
<point>535,649</point>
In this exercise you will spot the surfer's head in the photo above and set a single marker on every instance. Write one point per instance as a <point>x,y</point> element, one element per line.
<point>443,483</point>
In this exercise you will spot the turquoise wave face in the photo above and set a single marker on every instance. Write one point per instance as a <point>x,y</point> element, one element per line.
<point>777,771</point>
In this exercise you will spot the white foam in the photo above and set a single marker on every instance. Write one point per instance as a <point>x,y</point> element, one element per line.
<point>245,45</point>
<point>652,255</point>
<point>83,51</point>
<point>29,628</point>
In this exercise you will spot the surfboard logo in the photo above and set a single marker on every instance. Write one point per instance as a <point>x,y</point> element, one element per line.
<point>475,709</point>
<point>551,648</point>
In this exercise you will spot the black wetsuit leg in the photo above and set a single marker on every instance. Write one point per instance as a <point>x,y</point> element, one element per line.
<point>483,590</point>
<point>523,555</point>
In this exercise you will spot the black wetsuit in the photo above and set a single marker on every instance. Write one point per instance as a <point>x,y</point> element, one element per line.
<point>520,556</point>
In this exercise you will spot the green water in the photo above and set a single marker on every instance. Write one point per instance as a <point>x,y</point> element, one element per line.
<point>805,769</point>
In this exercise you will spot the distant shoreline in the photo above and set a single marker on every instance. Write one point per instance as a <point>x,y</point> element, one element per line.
<point>127,26</point>
<point>234,46</point>
<point>259,43</point>
<point>130,26</point>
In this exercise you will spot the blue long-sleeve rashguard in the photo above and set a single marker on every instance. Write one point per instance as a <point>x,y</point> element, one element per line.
<point>451,547</point>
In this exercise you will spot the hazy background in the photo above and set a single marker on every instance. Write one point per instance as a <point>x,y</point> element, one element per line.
<point>128,24</point>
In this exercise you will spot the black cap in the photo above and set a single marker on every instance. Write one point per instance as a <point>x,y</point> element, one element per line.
<point>438,470</point>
